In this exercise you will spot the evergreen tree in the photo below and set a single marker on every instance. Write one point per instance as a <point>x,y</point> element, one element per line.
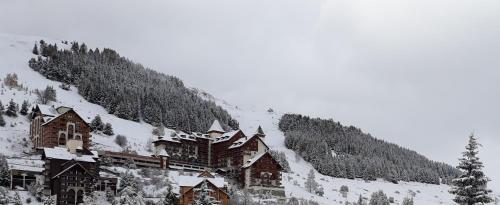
<point>35,50</point>
<point>49,94</point>
<point>4,172</point>
<point>2,121</point>
<point>407,201</point>
<point>4,195</point>
<point>96,124</point>
<point>12,109</point>
<point>379,198</point>
<point>471,186</point>
<point>108,129</point>
<point>24,108</point>
<point>169,197</point>
<point>129,196</point>
<point>311,185</point>
<point>2,108</point>
<point>127,89</point>
<point>203,195</point>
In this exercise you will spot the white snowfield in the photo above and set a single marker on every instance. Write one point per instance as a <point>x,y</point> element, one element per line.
<point>15,51</point>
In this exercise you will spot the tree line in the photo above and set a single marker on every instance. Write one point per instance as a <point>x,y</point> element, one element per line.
<point>127,89</point>
<point>346,152</point>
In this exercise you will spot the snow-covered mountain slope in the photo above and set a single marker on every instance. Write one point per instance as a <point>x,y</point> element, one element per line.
<point>15,52</point>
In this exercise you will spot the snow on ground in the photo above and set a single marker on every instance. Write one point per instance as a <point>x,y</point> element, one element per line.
<point>14,54</point>
<point>250,119</point>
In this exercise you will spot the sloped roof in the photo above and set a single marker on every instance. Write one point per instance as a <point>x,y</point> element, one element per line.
<point>192,181</point>
<point>64,154</point>
<point>69,168</point>
<point>29,165</point>
<point>242,141</point>
<point>226,136</point>
<point>216,127</point>
<point>256,158</point>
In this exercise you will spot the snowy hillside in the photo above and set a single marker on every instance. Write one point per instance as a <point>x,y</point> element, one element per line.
<point>15,51</point>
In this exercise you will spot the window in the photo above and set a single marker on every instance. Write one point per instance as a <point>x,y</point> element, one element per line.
<point>62,139</point>
<point>71,130</point>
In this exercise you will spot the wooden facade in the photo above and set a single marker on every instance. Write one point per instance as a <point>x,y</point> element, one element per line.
<point>69,180</point>
<point>188,194</point>
<point>227,152</point>
<point>62,126</point>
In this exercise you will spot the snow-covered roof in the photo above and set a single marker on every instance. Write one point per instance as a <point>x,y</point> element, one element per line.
<point>30,165</point>
<point>63,153</point>
<point>47,110</point>
<point>249,162</point>
<point>191,181</point>
<point>216,127</point>
<point>107,175</point>
<point>226,136</point>
<point>240,142</point>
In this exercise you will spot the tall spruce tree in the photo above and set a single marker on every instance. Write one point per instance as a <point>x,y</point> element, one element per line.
<point>2,121</point>
<point>311,185</point>
<point>471,186</point>
<point>24,108</point>
<point>4,172</point>
<point>12,109</point>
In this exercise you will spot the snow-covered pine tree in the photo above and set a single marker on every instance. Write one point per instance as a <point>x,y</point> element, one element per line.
<point>24,108</point>
<point>129,196</point>
<point>203,195</point>
<point>108,129</point>
<point>49,200</point>
<point>379,198</point>
<point>2,121</point>
<point>407,201</point>
<point>35,49</point>
<point>97,124</point>
<point>311,185</point>
<point>2,108</point>
<point>471,186</point>
<point>169,197</point>
<point>4,172</point>
<point>11,109</point>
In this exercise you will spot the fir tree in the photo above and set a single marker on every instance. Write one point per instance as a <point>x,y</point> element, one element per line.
<point>203,195</point>
<point>4,195</point>
<point>169,197</point>
<point>24,108</point>
<point>2,108</point>
<point>2,121</point>
<point>379,198</point>
<point>35,50</point>
<point>471,186</point>
<point>108,129</point>
<point>311,185</point>
<point>407,201</point>
<point>4,172</point>
<point>97,124</point>
<point>11,109</point>
<point>129,196</point>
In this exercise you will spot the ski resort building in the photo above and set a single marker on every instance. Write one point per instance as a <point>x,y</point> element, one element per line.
<point>70,169</point>
<point>232,153</point>
<point>58,127</point>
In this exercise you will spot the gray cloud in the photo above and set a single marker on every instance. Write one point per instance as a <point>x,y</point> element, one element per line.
<point>423,74</point>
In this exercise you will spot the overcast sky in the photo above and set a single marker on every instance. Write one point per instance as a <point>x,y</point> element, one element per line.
<point>423,74</point>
